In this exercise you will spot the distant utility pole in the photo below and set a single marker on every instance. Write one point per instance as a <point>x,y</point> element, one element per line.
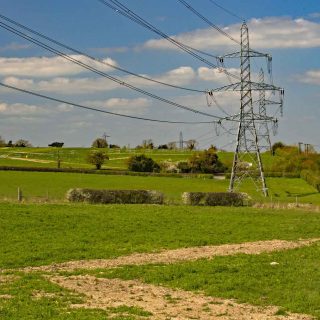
<point>180,141</point>
<point>300,146</point>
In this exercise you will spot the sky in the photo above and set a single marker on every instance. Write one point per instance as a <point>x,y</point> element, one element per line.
<point>289,30</point>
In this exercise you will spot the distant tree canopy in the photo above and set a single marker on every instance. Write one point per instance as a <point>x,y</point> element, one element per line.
<point>2,142</point>
<point>56,144</point>
<point>21,143</point>
<point>172,145</point>
<point>97,158</point>
<point>203,162</point>
<point>99,143</point>
<point>163,146</point>
<point>277,145</point>
<point>141,163</point>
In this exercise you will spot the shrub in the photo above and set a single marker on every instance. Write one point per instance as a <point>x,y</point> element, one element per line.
<point>311,178</point>
<point>141,163</point>
<point>97,158</point>
<point>100,143</point>
<point>115,196</point>
<point>206,162</point>
<point>214,198</point>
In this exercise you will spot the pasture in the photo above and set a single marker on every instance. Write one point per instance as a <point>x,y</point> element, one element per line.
<point>81,261</point>
<point>38,235</point>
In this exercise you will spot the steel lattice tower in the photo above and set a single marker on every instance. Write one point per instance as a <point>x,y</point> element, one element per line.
<point>247,158</point>
<point>180,141</point>
<point>264,141</point>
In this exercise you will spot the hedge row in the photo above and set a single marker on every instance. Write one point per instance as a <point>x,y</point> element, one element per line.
<point>115,196</point>
<point>271,174</point>
<point>214,198</point>
<point>105,172</point>
<point>311,178</point>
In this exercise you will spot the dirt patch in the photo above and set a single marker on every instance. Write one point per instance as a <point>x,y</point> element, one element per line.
<point>8,278</point>
<point>39,294</point>
<point>163,303</point>
<point>6,296</point>
<point>31,160</point>
<point>177,255</point>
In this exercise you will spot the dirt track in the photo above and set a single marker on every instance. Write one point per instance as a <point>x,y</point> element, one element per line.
<point>163,303</point>
<point>177,255</point>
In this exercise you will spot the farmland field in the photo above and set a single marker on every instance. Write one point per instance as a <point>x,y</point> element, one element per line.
<point>37,235</point>
<point>81,261</point>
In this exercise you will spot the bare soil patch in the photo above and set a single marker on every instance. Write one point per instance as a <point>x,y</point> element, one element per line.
<point>177,255</point>
<point>163,303</point>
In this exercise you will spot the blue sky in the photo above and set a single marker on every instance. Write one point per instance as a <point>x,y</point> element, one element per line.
<point>287,29</point>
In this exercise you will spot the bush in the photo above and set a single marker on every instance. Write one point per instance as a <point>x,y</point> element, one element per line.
<point>97,158</point>
<point>115,196</point>
<point>312,178</point>
<point>100,143</point>
<point>214,198</point>
<point>141,163</point>
<point>206,162</point>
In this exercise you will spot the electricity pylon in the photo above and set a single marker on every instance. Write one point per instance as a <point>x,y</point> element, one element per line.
<point>264,140</point>
<point>247,159</point>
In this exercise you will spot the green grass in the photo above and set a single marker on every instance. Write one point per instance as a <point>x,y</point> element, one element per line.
<point>76,157</point>
<point>43,234</point>
<point>293,284</point>
<point>53,185</point>
<point>32,235</point>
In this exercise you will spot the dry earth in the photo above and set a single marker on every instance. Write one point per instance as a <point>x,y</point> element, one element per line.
<point>163,303</point>
<point>177,255</point>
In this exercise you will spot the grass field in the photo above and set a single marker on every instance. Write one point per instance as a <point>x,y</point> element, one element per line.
<point>33,235</point>
<point>38,186</point>
<point>76,157</point>
<point>55,232</point>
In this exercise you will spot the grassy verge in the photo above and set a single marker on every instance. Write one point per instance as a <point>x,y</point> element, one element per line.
<point>43,234</point>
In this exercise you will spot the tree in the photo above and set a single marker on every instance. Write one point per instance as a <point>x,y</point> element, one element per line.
<point>147,144</point>
<point>163,146</point>
<point>191,144</point>
<point>206,162</point>
<point>2,142</point>
<point>21,143</point>
<point>56,144</point>
<point>172,145</point>
<point>277,145</point>
<point>97,158</point>
<point>100,143</point>
<point>141,163</point>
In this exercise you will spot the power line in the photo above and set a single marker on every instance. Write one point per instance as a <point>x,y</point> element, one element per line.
<point>227,10</point>
<point>95,109</point>
<point>119,8</point>
<point>98,60</point>
<point>101,73</point>
<point>188,6</point>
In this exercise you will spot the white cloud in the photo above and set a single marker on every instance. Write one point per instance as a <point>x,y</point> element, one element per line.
<point>48,66</point>
<point>14,47</point>
<point>20,109</point>
<point>310,77</point>
<point>273,32</point>
<point>122,105</point>
<point>215,75</point>
<point>180,76</point>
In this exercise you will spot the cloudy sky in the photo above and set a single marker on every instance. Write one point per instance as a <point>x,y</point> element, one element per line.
<point>289,30</point>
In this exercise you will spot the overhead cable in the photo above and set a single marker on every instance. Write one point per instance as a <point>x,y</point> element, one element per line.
<point>98,110</point>
<point>188,6</point>
<point>227,10</point>
<point>119,8</point>
<point>95,59</point>
<point>103,74</point>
